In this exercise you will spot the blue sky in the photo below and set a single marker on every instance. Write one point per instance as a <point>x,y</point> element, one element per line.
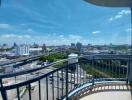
<point>57,22</point>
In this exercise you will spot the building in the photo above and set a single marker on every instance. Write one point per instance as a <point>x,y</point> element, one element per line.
<point>5,47</point>
<point>79,46</point>
<point>44,48</point>
<point>35,51</point>
<point>35,45</point>
<point>22,50</point>
<point>73,45</point>
<point>72,58</point>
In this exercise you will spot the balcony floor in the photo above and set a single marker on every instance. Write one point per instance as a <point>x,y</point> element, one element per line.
<point>112,95</point>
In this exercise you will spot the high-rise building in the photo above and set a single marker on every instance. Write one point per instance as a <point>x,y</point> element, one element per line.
<point>73,45</point>
<point>79,46</point>
<point>35,45</point>
<point>43,48</point>
<point>5,46</point>
<point>14,45</point>
<point>22,50</point>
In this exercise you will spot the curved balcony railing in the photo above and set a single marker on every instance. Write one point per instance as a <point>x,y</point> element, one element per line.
<point>63,81</point>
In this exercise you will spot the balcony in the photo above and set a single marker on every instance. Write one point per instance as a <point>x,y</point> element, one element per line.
<point>94,76</point>
<point>91,75</point>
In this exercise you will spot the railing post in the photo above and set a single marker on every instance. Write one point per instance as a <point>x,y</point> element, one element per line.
<point>130,71</point>
<point>67,82</point>
<point>93,65</point>
<point>3,92</point>
<point>93,81</point>
<point>130,61</point>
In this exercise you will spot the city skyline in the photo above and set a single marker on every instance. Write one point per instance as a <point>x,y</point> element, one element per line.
<point>62,22</point>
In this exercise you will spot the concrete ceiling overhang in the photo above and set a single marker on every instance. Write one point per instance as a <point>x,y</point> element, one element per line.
<point>111,3</point>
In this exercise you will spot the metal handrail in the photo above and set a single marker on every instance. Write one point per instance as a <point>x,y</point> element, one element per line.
<point>24,83</point>
<point>13,74</point>
<point>7,75</point>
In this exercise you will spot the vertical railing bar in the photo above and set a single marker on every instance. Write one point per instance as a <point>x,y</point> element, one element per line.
<point>62,80</point>
<point>109,67</point>
<point>119,70</point>
<point>101,65</point>
<point>18,94</point>
<point>67,85</point>
<point>39,90</point>
<point>29,90</point>
<point>124,70</point>
<point>57,85</point>
<point>105,66</point>
<point>112,68</point>
<point>77,74</point>
<point>47,91</point>
<point>128,64</point>
<point>52,86</point>
<point>71,80</point>
<point>83,76</point>
<point>80,74</point>
<point>92,66</point>
<point>95,64</point>
<point>116,71</point>
<point>3,92</point>
<point>74,78</point>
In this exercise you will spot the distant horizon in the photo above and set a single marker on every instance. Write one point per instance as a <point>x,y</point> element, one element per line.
<point>62,44</point>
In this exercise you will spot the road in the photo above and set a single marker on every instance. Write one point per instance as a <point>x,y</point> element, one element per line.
<point>35,91</point>
<point>30,58</point>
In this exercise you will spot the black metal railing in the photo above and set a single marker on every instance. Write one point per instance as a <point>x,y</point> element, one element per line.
<point>57,83</point>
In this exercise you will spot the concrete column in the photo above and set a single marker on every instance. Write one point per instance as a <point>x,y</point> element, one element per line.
<point>130,60</point>
<point>130,71</point>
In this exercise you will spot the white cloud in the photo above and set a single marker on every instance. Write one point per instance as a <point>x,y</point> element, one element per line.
<point>8,35</point>
<point>128,30</point>
<point>14,36</point>
<point>120,14</point>
<point>96,32</point>
<point>4,26</point>
<point>49,39</point>
<point>124,12</point>
<point>61,36</point>
<point>75,37</point>
<point>26,36</point>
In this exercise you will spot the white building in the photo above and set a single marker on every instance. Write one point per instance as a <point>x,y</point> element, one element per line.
<point>22,50</point>
<point>72,58</point>
<point>34,51</point>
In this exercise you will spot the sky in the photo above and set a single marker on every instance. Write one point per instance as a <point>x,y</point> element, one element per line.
<point>57,22</point>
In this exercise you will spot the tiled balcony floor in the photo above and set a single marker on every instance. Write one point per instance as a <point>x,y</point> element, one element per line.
<point>112,95</point>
